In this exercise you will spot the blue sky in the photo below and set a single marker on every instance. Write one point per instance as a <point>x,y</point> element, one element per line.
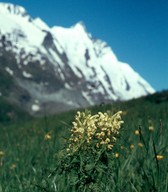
<point>137,30</point>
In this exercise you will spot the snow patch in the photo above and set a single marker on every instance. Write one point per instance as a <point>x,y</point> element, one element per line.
<point>17,59</point>
<point>39,23</point>
<point>25,62</point>
<point>27,75</point>
<point>35,107</point>
<point>9,71</point>
<point>8,48</point>
<point>42,62</point>
<point>86,96</point>
<point>67,86</point>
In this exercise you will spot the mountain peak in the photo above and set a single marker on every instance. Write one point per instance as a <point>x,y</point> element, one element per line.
<point>9,8</point>
<point>57,69</point>
<point>80,26</point>
<point>41,24</point>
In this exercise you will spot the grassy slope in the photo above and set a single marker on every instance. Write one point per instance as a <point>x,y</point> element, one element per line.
<point>29,155</point>
<point>10,113</point>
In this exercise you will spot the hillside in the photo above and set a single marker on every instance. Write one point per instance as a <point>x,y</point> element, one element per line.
<point>10,113</point>
<point>28,149</point>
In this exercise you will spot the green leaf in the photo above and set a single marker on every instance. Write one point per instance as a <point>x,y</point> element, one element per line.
<point>74,179</point>
<point>101,168</point>
<point>90,166</point>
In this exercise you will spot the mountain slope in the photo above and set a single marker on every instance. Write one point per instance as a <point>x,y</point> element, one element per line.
<point>57,69</point>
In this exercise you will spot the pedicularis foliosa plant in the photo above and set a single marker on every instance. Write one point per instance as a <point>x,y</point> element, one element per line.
<point>87,163</point>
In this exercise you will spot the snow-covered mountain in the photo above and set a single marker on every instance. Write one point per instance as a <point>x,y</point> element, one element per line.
<point>57,69</point>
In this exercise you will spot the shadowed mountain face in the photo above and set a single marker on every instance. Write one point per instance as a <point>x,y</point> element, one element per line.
<point>56,69</point>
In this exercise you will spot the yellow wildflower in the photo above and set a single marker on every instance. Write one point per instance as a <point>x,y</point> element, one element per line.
<point>107,140</point>
<point>102,128</point>
<point>124,112</point>
<point>108,132</point>
<point>151,128</point>
<point>2,153</point>
<point>13,166</point>
<point>159,157</point>
<point>47,136</point>
<point>136,132</point>
<point>102,143</point>
<point>140,144</point>
<point>102,134</point>
<point>116,155</point>
<point>97,145</point>
<point>114,139</point>
<point>110,146</point>
<point>132,146</point>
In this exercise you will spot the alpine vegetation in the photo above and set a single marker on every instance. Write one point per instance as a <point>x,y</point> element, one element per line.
<point>99,130</point>
<point>90,151</point>
<point>87,164</point>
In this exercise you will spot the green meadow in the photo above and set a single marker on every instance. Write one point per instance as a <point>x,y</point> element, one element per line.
<point>33,156</point>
